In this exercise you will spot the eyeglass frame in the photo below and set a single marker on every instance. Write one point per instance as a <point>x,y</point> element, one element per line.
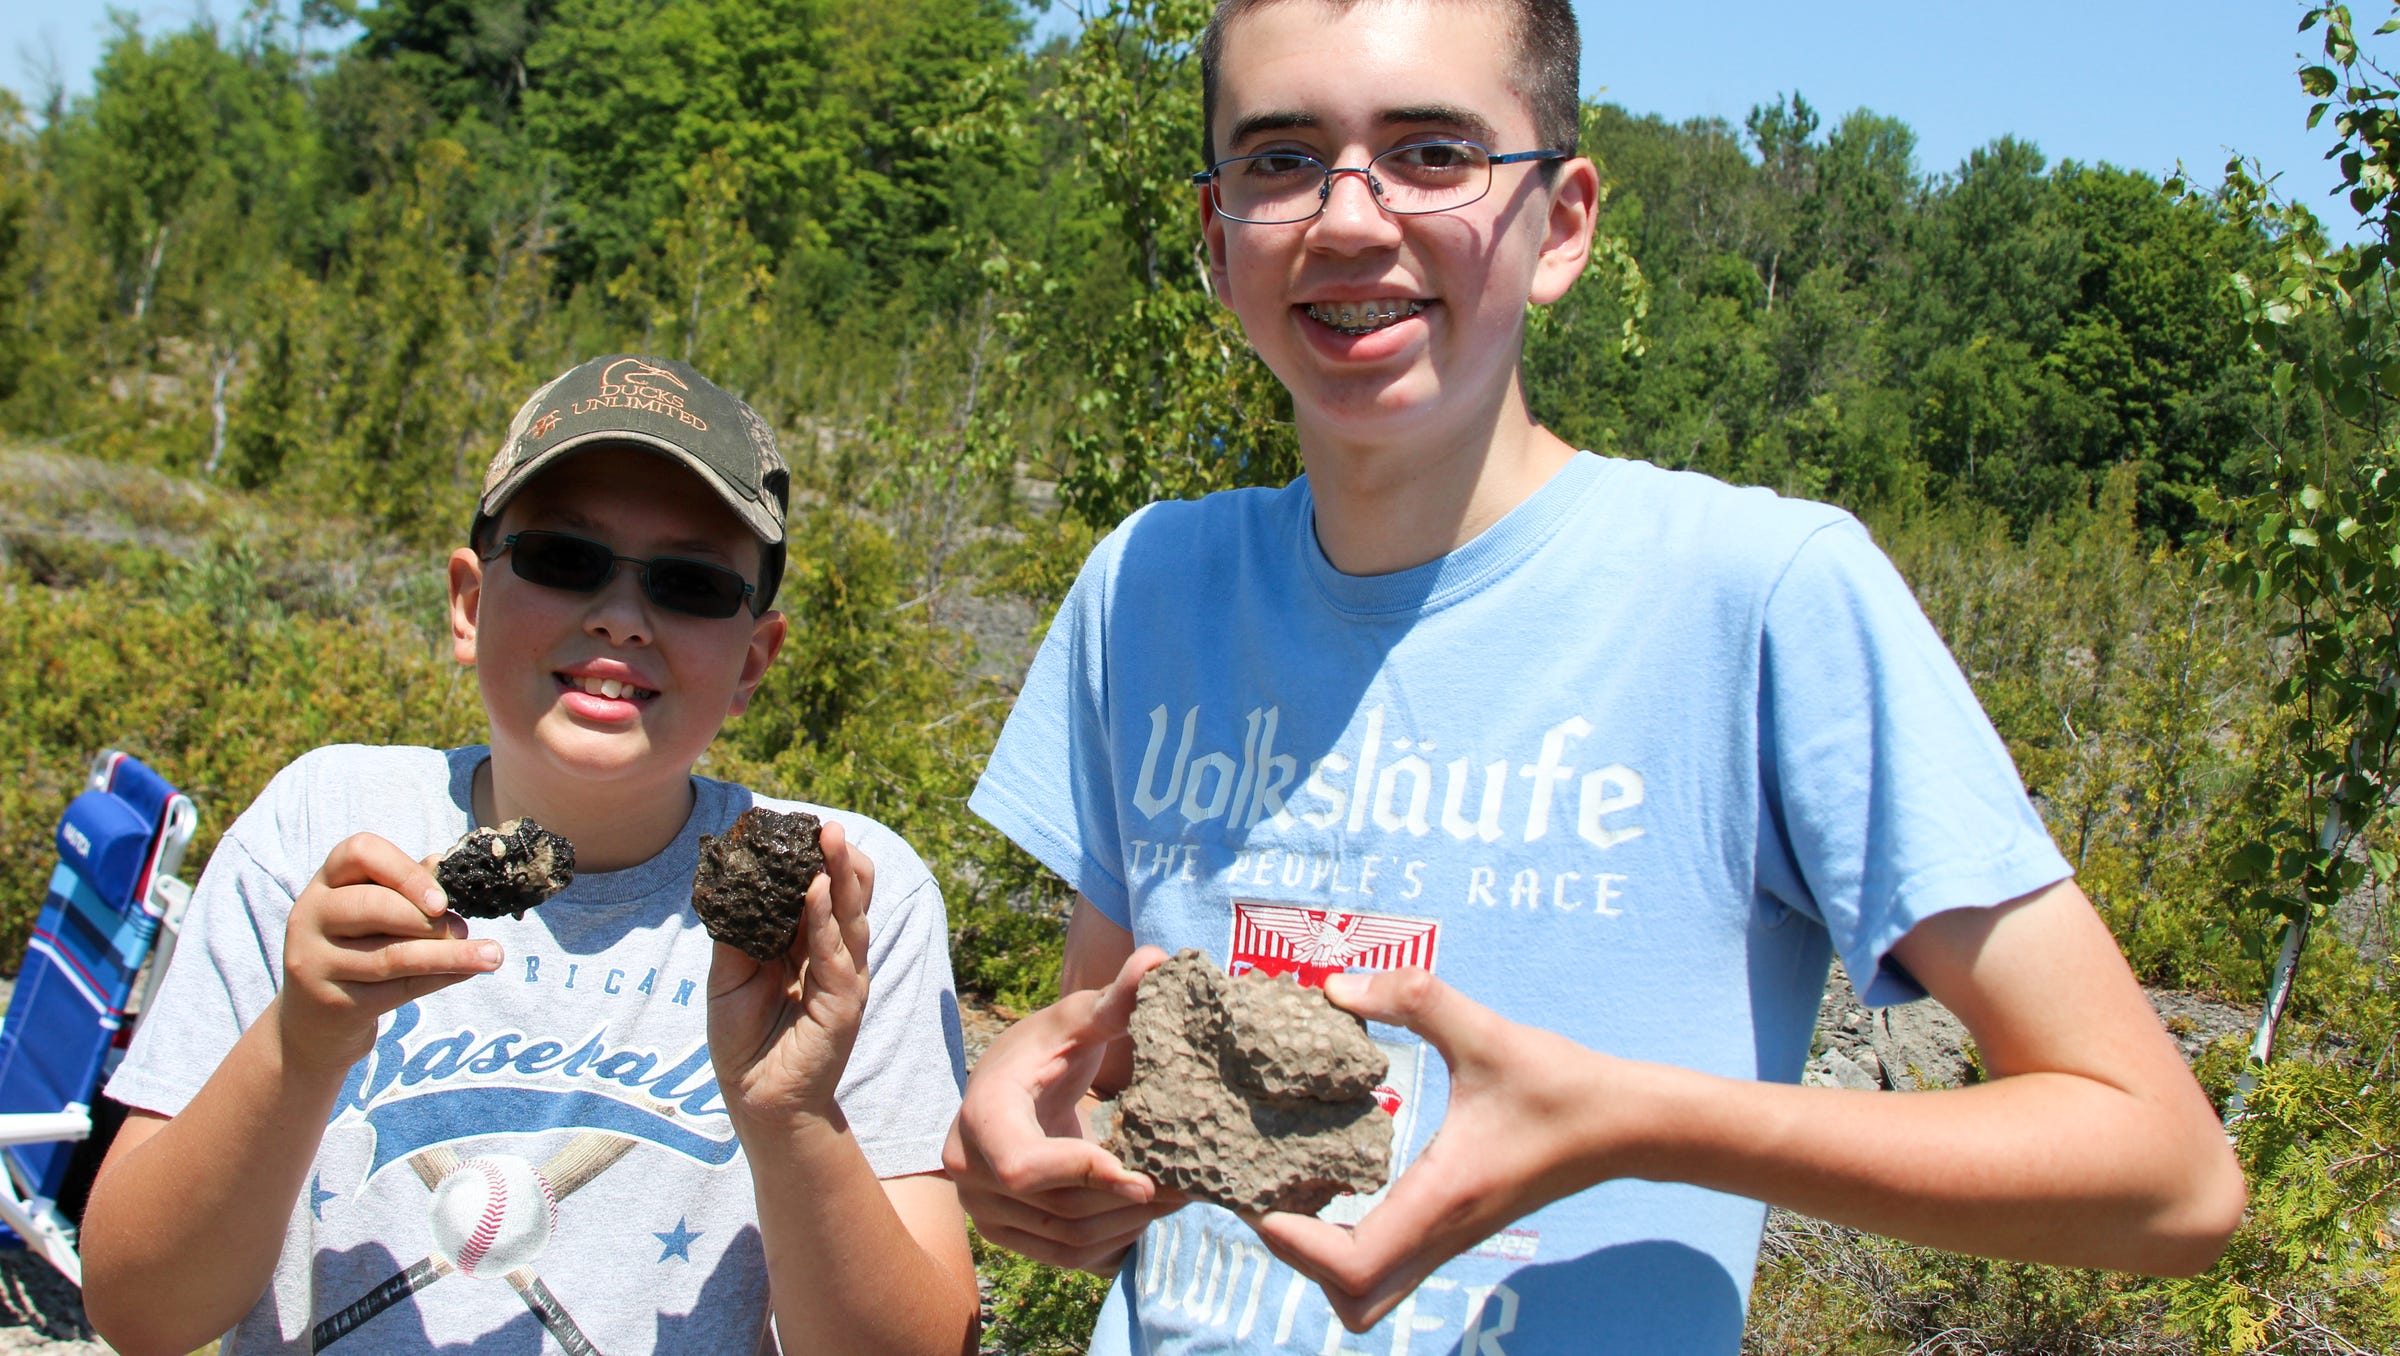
<point>1207,178</point>
<point>507,548</point>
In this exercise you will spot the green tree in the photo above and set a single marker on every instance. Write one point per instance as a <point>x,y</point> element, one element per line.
<point>155,113</point>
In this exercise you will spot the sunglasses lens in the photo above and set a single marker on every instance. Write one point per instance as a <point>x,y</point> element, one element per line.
<point>695,587</point>
<point>555,560</point>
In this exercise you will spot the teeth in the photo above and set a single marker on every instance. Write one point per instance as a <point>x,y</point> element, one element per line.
<point>611,688</point>
<point>1363,317</point>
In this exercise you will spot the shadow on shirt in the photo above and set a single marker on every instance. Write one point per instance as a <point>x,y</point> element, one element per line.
<point>1633,1299</point>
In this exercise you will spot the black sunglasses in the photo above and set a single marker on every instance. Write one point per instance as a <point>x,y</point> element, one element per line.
<point>560,560</point>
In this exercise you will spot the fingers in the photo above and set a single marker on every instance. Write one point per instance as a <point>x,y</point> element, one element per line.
<point>1411,997</point>
<point>372,916</point>
<point>851,881</point>
<point>834,965</point>
<point>1062,1201</point>
<point>1442,1205</point>
<point>1094,1243</point>
<point>1111,1013</point>
<point>379,962</point>
<point>1366,1270</point>
<point>369,859</point>
<point>1005,1151</point>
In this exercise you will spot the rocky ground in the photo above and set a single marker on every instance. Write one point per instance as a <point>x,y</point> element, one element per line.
<point>1919,1045</point>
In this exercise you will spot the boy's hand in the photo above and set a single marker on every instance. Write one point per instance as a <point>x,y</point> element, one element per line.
<point>370,932</point>
<point>1519,1134</point>
<point>1022,1153</point>
<point>780,1034</point>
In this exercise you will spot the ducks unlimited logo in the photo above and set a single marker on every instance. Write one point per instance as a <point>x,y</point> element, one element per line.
<point>631,384</point>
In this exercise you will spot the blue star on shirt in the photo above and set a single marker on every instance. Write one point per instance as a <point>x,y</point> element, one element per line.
<point>317,1196</point>
<point>678,1241</point>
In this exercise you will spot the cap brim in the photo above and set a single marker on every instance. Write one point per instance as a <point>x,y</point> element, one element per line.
<point>754,516</point>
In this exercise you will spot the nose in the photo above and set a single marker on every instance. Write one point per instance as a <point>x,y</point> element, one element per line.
<point>1352,217</point>
<point>620,612</point>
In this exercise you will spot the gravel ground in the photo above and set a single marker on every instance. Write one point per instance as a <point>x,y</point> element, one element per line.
<point>40,1312</point>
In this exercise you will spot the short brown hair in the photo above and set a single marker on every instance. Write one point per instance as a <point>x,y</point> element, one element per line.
<point>1545,72</point>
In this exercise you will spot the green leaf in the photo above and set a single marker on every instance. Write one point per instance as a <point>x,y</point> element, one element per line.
<point>2311,497</point>
<point>2318,81</point>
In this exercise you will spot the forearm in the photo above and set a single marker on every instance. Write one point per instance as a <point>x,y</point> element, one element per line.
<point>846,1274</point>
<point>2049,1167</point>
<point>184,1228</point>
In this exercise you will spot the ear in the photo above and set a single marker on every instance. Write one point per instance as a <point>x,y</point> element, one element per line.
<point>766,640</point>
<point>1567,234</point>
<point>466,603</point>
<point>1212,234</point>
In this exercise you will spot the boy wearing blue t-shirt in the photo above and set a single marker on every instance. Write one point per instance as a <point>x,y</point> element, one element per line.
<point>358,1121</point>
<point>1574,770</point>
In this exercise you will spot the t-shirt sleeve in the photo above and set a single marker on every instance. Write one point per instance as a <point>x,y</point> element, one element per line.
<point>1894,798</point>
<point>227,966</point>
<point>1048,784</point>
<point>901,1087</point>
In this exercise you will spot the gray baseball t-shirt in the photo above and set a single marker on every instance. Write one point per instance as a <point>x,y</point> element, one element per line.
<point>534,1159</point>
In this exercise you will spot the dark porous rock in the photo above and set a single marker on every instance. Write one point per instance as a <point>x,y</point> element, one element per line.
<point>1253,1093</point>
<point>754,877</point>
<point>505,870</point>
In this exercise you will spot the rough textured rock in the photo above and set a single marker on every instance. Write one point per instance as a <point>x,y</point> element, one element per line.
<point>754,877</point>
<point>505,870</point>
<point>1253,1093</point>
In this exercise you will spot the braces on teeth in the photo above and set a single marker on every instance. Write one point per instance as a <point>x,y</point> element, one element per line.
<point>1352,322</point>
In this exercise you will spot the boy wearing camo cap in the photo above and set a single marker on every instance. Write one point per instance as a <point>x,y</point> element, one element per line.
<point>359,1121</point>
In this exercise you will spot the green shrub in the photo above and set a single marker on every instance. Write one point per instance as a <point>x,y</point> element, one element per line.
<point>216,700</point>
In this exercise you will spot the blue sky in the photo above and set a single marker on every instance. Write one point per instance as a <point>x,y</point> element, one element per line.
<point>2137,83</point>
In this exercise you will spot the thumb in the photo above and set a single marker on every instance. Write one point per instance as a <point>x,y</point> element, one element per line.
<point>1411,997</point>
<point>1111,1011</point>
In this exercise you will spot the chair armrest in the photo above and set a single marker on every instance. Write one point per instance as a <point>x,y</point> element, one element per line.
<point>42,1127</point>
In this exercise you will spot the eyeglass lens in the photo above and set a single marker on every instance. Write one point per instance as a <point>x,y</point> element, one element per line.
<point>1425,176</point>
<point>559,560</point>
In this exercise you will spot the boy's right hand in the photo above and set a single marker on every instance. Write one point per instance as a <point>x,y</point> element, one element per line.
<point>370,932</point>
<point>1021,1151</point>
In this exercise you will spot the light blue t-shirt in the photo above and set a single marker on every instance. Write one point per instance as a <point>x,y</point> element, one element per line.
<point>1627,767</point>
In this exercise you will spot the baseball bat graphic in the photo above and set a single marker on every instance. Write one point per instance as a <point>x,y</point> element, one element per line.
<point>375,1301</point>
<point>546,1307</point>
<point>581,1159</point>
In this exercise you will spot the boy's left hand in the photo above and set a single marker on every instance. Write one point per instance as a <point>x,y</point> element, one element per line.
<point>780,1034</point>
<point>1520,1133</point>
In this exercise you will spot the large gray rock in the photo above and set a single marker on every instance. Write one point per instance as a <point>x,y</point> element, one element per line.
<point>1253,1093</point>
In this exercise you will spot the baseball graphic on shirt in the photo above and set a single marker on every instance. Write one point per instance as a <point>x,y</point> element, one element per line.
<point>493,1215</point>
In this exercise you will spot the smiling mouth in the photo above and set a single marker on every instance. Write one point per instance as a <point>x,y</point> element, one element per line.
<point>611,688</point>
<point>1363,317</point>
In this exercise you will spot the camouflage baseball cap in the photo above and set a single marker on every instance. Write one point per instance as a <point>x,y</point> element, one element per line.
<point>663,405</point>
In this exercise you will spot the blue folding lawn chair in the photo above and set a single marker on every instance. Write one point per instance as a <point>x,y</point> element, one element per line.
<point>114,903</point>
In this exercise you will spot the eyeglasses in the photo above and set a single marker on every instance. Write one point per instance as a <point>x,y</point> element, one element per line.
<point>1283,187</point>
<point>559,560</point>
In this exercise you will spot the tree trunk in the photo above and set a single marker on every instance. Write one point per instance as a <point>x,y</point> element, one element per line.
<point>227,359</point>
<point>158,253</point>
<point>2279,988</point>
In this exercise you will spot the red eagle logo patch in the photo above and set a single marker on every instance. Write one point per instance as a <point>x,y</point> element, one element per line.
<point>1309,944</point>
